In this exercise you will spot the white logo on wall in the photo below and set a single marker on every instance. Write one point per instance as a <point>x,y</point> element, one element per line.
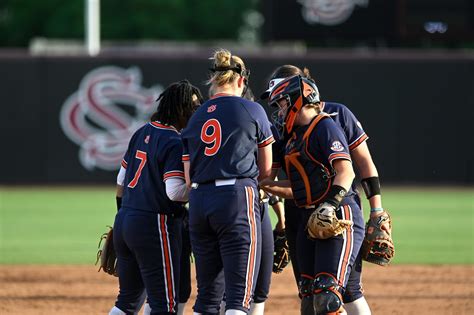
<point>102,115</point>
<point>329,12</point>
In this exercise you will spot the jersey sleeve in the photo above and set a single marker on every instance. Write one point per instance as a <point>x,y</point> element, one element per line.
<point>264,133</point>
<point>173,166</point>
<point>276,148</point>
<point>185,151</point>
<point>353,129</point>
<point>126,157</point>
<point>331,141</point>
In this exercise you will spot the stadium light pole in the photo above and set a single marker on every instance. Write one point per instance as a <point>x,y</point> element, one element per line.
<point>92,22</point>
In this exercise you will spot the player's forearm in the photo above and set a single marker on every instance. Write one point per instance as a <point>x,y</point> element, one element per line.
<point>281,188</point>
<point>363,160</point>
<point>344,173</point>
<point>264,162</point>
<point>280,214</point>
<point>187,175</point>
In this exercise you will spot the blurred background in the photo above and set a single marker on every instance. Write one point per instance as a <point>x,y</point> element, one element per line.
<point>78,77</point>
<point>75,86</point>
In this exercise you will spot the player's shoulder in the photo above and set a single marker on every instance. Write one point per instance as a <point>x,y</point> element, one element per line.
<point>333,107</point>
<point>255,109</point>
<point>323,126</point>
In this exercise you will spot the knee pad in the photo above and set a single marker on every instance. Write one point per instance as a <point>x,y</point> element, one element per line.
<point>326,296</point>
<point>305,286</point>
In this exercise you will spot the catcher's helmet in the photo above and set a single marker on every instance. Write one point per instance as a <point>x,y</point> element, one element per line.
<point>298,91</point>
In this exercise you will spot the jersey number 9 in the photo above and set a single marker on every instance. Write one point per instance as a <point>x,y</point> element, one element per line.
<point>212,137</point>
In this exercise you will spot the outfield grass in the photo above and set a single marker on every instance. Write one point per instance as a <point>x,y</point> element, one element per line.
<point>63,225</point>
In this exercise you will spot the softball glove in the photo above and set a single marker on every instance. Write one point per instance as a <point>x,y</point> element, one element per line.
<point>378,245</point>
<point>106,254</point>
<point>323,223</point>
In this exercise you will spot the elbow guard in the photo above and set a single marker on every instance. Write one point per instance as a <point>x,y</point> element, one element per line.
<point>371,186</point>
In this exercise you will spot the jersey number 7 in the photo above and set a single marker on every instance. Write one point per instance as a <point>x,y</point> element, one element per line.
<point>141,155</point>
<point>213,138</point>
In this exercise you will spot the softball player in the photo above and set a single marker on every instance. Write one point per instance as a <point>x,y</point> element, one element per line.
<point>147,228</point>
<point>354,301</point>
<point>226,149</point>
<point>318,146</point>
<point>262,286</point>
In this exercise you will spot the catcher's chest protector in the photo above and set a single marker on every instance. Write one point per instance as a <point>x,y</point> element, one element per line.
<point>310,179</point>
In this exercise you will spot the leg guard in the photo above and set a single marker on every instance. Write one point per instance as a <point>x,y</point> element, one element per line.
<point>326,296</point>
<point>305,287</point>
<point>306,307</point>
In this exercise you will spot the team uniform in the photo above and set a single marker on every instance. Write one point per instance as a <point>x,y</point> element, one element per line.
<point>221,143</point>
<point>354,135</point>
<point>147,228</point>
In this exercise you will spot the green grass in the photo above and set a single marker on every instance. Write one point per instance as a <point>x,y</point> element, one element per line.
<point>53,225</point>
<point>62,225</point>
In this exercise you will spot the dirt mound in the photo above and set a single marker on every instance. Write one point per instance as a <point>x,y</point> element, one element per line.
<point>393,290</point>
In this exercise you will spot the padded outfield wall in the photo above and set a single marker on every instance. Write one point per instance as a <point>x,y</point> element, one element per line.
<point>68,119</point>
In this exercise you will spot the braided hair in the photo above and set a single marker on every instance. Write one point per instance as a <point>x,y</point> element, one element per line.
<point>176,104</point>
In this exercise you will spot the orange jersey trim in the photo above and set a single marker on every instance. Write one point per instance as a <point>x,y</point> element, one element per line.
<point>348,250</point>
<point>335,156</point>
<point>167,262</point>
<point>170,174</point>
<point>124,164</point>
<point>253,246</point>
<point>161,126</point>
<point>266,142</point>
<point>356,143</point>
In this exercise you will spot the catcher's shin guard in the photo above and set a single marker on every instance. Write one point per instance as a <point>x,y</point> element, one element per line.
<point>326,296</point>
<point>305,287</point>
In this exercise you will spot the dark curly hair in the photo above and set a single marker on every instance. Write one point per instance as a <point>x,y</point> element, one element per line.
<point>176,104</point>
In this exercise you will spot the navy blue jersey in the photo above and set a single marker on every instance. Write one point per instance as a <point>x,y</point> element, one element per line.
<point>153,156</point>
<point>222,139</point>
<point>344,118</point>
<point>326,143</point>
<point>277,148</point>
<point>352,128</point>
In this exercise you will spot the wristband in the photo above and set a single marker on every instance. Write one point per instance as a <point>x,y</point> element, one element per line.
<point>335,195</point>
<point>371,186</point>
<point>376,209</point>
<point>273,200</point>
<point>119,202</point>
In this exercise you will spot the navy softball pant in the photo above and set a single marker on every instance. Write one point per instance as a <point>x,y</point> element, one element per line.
<point>264,278</point>
<point>336,255</point>
<point>185,263</point>
<point>293,219</point>
<point>224,224</point>
<point>147,247</point>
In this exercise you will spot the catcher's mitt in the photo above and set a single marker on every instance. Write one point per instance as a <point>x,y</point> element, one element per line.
<point>323,223</point>
<point>106,254</point>
<point>281,256</point>
<point>378,245</point>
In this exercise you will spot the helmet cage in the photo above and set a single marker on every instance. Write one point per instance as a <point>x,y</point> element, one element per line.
<point>297,91</point>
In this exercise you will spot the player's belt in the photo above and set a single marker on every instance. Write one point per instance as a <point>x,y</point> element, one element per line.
<point>218,182</point>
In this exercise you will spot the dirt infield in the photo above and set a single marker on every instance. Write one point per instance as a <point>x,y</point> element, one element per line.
<point>393,290</point>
